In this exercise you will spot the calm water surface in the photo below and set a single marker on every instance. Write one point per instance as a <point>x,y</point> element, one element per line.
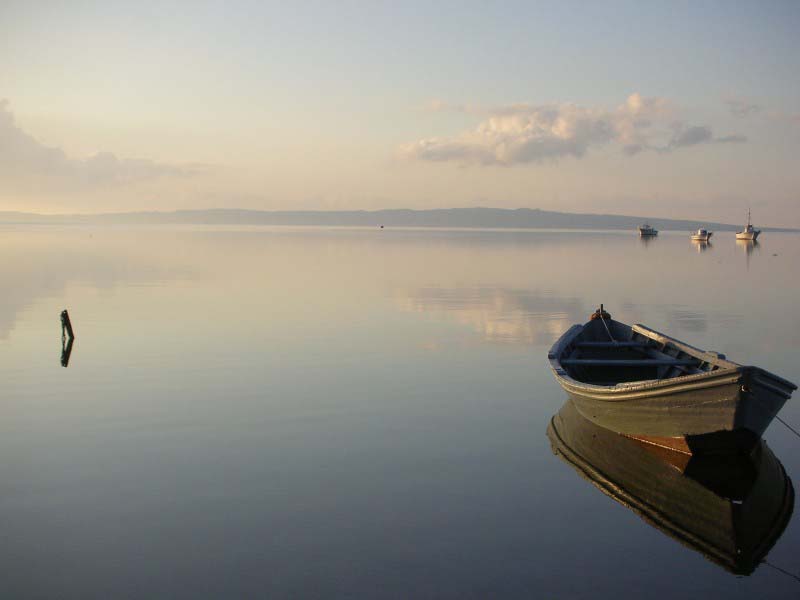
<point>347,413</point>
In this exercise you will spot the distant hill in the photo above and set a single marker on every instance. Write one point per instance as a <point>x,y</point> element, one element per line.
<point>524,218</point>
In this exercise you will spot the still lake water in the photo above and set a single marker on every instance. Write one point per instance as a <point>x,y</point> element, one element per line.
<point>252,412</point>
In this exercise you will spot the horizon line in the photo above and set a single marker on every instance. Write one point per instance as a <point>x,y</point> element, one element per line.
<point>666,223</point>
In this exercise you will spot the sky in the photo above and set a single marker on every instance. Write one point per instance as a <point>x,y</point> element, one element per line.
<point>673,109</point>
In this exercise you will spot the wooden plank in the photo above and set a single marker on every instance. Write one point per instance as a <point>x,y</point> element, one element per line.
<point>710,356</point>
<point>609,362</point>
<point>611,344</point>
<point>673,444</point>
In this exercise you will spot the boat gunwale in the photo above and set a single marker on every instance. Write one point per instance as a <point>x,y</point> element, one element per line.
<point>649,387</point>
<point>728,372</point>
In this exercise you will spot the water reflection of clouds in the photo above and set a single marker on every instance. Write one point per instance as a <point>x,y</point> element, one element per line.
<point>694,320</point>
<point>502,315</point>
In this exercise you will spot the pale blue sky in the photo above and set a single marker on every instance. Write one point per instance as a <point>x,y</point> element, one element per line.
<point>329,105</point>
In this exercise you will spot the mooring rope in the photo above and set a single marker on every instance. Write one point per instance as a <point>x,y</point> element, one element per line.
<point>607,329</point>
<point>789,427</point>
<point>784,571</point>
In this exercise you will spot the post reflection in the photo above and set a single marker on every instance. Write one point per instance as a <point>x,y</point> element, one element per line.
<point>731,510</point>
<point>646,240</point>
<point>66,350</point>
<point>701,246</point>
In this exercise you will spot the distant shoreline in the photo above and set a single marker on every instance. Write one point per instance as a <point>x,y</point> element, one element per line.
<point>451,218</point>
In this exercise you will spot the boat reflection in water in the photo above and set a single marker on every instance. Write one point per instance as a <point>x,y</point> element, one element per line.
<point>701,245</point>
<point>730,509</point>
<point>748,246</point>
<point>646,239</point>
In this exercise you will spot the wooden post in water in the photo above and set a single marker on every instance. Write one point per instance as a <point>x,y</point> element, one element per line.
<point>66,325</point>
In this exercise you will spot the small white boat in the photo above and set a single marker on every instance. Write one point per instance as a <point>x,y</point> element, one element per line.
<point>749,232</point>
<point>646,231</point>
<point>702,235</point>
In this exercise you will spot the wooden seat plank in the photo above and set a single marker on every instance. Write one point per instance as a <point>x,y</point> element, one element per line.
<point>644,362</point>
<point>611,344</point>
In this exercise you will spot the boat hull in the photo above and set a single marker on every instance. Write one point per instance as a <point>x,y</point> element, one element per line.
<point>750,236</point>
<point>646,385</point>
<point>729,414</point>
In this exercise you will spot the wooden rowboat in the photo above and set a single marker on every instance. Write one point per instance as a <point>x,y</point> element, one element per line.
<point>731,509</point>
<point>638,382</point>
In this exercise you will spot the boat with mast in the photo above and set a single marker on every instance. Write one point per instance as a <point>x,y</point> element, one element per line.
<point>749,232</point>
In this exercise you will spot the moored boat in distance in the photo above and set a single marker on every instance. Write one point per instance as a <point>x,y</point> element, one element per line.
<point>702,235</point>
<point>749,232</point>
<point>643,384</point>
<point>647,231</point>
<point>732,510</point>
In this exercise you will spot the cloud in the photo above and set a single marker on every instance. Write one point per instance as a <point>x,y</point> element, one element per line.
<point>691,136</point>
<point>731,139</point>
<point>685,136</point>
<point>742,108</point>
<point>21,155</point>
<point>784,117</point>
<point>524,133</point>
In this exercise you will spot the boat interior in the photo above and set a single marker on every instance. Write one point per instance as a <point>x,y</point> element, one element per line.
<point>607,352</point>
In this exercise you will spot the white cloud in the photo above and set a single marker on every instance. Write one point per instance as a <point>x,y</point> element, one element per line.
<point>524,133</point>
<point>21,155</point>
<point>742,108</point>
